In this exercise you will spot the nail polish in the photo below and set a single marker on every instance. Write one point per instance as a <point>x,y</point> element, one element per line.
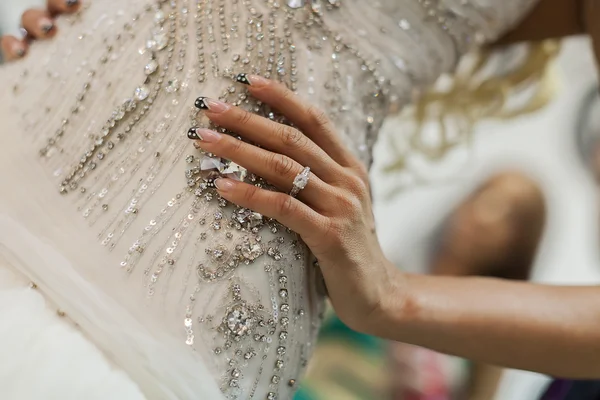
<point>251,80</point>
<point>18,50</point>
<point>71,3</point>
<point>243,78</point>
<point>201,103</point>
<point>207,135</point>
<point>193,133</point>
<point>47,27</point>
<point>223,184</point>
<point>215,106</point>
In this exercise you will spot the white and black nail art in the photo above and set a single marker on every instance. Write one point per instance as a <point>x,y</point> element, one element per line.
<point>47,27</point>
<point>201,103</point>
<point>243,78</point>
<point>193,133</point>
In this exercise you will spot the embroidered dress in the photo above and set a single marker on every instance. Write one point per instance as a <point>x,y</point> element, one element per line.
<point>111,211</point>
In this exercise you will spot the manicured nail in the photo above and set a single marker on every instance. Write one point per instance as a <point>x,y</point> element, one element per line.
<point>71,3</point>
<point>18,50</point>
<point>193,133</point>
<point>224,184</point>
<point>205,135</point>
<point>46,25</point>
<point>251,80</point>
<point>243,78</point>
<point>215,106</point>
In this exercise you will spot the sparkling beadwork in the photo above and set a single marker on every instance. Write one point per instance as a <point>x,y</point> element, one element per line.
<point>151,67</point>
<point>142,93</point>
<point>239,320</point>
<point>160,41</point>
<point>248,218</point>
<point>211,167</point>
<point>251,251</point>
<point>295,3</point>
<point>235,172</point>
<point>172,85</point>
<point>190,50</point>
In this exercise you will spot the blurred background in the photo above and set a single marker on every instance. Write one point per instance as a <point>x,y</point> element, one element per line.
<point>545,146</point>
<point>523,194</point>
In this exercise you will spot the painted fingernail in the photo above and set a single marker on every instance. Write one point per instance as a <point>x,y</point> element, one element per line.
<point>71,3</point>
<point>251,80</point>
<point>18,50</point>
<point>193,133</point>
<point>223,184</point>
<point>46,25</point>
<point>215,106</point>
<point>243,78</point>
<point>205,135</point>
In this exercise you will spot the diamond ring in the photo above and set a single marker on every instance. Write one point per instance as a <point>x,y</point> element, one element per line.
<point>300,182</point>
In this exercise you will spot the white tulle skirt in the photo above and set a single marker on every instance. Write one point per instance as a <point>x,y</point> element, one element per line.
<point>45,357</point>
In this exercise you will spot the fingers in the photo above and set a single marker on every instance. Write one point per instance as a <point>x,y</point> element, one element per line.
<point>309,119</point>
<point>63,6</point>
<point>12,48</point>
<point>272,135</point>
<point>38,24</point>
<point>277,169</point>
<point>284,208</point>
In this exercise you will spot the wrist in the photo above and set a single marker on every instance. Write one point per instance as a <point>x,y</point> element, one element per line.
<point>393,311</point>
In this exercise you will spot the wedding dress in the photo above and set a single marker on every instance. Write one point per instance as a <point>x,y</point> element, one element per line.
<point>111,213</point>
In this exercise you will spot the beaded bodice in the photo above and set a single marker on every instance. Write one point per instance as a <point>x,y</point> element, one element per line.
<point>107,177</point>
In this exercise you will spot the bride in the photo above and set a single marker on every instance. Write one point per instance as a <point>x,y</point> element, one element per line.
<point>111,217</point>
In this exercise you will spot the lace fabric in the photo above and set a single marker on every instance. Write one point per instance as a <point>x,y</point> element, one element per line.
<point>112,212</point>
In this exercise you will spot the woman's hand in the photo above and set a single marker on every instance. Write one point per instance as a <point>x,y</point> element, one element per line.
<point>332,213</point>
<point>548,329</point>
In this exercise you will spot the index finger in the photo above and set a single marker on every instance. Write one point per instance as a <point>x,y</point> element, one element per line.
<point>306,117</point>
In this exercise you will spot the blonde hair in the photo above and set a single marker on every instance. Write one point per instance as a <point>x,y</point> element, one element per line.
<point>473,94</point>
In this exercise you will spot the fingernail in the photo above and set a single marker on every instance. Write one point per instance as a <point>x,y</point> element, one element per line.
<point>206,135</point>
<point>71,3</point>
<point>46,25</point>
<point>193,133</point>
<point>223,184</point>
<point>18,50</point>
<point>243,78</point>
<point>216,106</point>
<point>251,80</point>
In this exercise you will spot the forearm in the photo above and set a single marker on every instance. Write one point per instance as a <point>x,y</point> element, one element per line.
<point>549,19</point>
<point>553,330</point>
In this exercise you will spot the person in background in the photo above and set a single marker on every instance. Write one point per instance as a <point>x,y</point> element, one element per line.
<point>516,224</point>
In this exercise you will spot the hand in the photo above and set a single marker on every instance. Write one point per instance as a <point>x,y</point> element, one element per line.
<point>332,214</point>
<point>36,17</point>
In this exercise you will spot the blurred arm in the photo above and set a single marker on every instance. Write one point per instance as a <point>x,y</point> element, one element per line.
<point>549,19</point>
<point>552,19</point>
<point>548,329</point>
